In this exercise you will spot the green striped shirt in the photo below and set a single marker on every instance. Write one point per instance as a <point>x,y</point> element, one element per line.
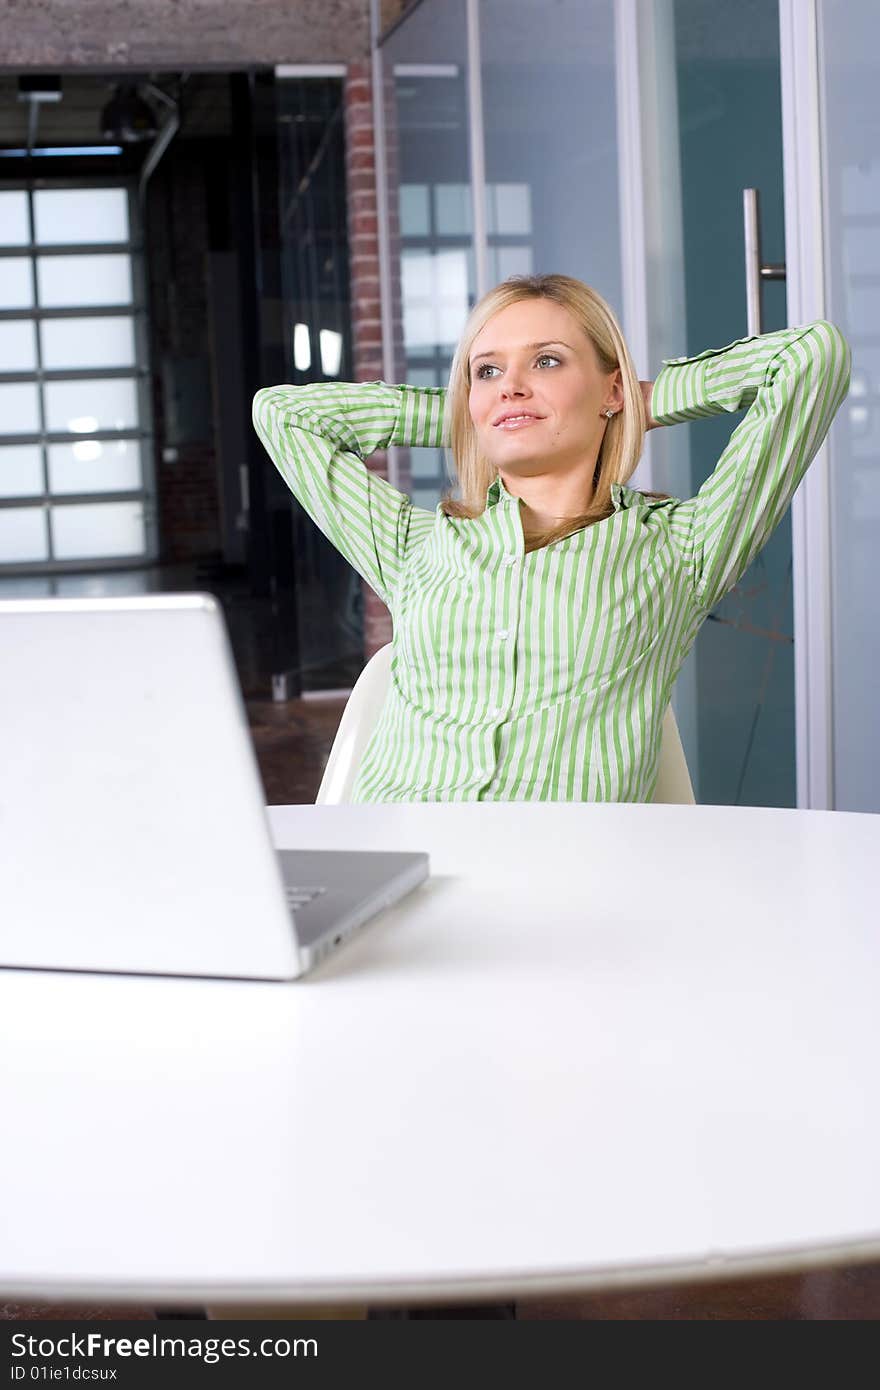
<point>544,676</point>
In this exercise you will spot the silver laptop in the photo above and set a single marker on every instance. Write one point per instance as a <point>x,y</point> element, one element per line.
<point>133,835</point>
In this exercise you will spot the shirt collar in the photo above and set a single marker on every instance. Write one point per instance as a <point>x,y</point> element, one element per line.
<point>498,492</point>
<point>621,497</point>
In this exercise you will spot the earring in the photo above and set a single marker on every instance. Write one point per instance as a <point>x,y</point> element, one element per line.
<point>609,414</point>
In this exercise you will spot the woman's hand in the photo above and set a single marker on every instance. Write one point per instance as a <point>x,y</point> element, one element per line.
<point>647,392</point>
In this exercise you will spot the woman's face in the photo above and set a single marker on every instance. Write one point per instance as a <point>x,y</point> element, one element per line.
<point>537,392</point>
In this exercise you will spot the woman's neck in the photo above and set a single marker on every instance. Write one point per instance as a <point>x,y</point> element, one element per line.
<point>549,499</point>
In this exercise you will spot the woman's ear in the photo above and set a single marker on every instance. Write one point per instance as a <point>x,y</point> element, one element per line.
<point>614,396</point>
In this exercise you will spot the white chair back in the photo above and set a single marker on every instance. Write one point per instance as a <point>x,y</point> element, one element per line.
<point>362,711</point>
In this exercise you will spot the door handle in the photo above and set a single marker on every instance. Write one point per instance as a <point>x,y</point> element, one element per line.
<point>756,271</point>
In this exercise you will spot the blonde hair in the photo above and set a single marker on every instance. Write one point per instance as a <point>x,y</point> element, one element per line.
<point>622,442</point>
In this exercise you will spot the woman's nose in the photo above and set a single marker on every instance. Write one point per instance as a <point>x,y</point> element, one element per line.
<point>513,383</point>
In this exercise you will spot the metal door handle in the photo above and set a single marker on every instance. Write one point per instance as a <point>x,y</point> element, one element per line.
<point>756,271</point>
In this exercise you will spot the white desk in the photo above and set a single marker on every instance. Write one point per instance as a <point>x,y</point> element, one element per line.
<point>605,1044</point>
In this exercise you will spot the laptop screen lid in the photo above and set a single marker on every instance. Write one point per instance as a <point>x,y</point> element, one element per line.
<point>133,835</point>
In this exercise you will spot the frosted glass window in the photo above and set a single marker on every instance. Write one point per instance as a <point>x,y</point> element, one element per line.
<point>71,216</point>
<point>66,282</point>
<point>22,535</point>
<point>81,407</point>
<point>21,470</point>
<point>107,585</point>
<point>16,285</point>
<point>74,344</point>
<point>106,529</point>
<point>95,465</point>
<point>509,260</point>
<point>452,209</point>
<point>415,213</point>
<point>451,277</point>
<point>18,346</point>
<point>19,408</point>
<point>14,224</point>
<point>509,209</point>
<point>331,351</point>
<point>302,347</point>
<point>435,298</point>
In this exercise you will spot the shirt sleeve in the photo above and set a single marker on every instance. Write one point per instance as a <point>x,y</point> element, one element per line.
<point>791,383</point>
<point>318,437</point>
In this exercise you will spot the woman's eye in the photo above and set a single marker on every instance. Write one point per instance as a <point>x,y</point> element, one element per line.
<point>487,370</point>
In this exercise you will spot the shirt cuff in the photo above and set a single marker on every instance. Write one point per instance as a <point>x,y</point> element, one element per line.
<point>420,417</point>
<point>680,390</point>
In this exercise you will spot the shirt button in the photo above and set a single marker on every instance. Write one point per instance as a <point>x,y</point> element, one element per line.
<point>504,634</point>
<point>510,560</point>
<point>495,713</point>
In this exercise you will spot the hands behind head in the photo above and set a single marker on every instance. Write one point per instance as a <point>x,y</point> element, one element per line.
<point>647,391</point>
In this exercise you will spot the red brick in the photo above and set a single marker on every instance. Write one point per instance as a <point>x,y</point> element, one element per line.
<point>359,114</point>
<point>361,181</point>
<point>360,161</point>
<point>365,224</point>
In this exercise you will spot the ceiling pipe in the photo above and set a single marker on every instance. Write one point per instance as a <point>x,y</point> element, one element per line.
<point>166,133</point>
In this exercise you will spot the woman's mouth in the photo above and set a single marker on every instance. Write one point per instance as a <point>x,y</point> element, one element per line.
<point>516,422</point>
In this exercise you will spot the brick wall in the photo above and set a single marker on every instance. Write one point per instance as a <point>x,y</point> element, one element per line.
<point>180,35</point>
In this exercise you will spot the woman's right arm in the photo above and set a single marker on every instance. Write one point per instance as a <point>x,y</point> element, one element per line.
<point>318,437</point>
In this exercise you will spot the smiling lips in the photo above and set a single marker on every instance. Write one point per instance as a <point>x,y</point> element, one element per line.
<point>516,421</point>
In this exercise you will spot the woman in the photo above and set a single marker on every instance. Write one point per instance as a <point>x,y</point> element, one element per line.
<point>540,621</point>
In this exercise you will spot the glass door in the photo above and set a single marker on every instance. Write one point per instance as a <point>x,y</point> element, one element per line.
<point>833,196</point>
<point>713,93</point>
<point>611,140</point>
<point>76,471</point>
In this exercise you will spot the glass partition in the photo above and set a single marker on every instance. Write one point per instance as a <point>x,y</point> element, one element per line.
<point>547,122</point>
<point>74,400</point>
<point>430,213</point>
<point>550,132</point>
<point>851,193</point>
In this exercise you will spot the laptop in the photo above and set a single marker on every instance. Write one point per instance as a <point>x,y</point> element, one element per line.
<point>133,834</point>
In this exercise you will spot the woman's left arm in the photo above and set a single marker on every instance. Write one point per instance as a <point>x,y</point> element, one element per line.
<point>791,383</point>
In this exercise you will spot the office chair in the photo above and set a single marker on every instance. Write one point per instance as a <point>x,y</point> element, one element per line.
<point>355,727</point>
<point>362,711</point>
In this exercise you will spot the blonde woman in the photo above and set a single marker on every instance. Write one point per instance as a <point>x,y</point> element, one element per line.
<point>541,618</point>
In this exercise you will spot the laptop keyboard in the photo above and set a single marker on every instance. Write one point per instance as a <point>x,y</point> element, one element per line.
<point>300,897</point>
